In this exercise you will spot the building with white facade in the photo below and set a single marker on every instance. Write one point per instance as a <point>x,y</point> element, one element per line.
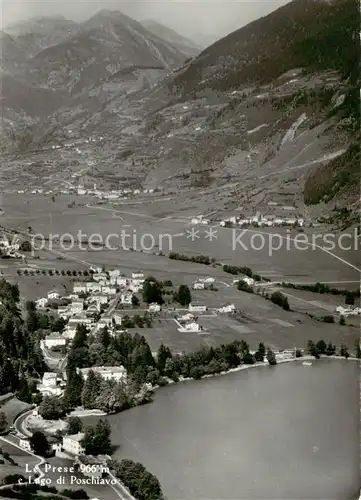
<point>114,273</point>
<point>186,317</point>
<point>348,311</point>
<point>126,298</point>
<point>191,327</point>
<point>79,287</point>
<point>72,444</point>
<point>24,443</point>
<point>154,307</point>
<point>117,317</point>
<point>227,308</point>
<point>198,286</point>
<point>49,379</point>
<point>54,340</point>
<point>196,307</point>
<point>116,373</point>
<point>109,290</point>
<point>93,286</point>
<point>41,302</point>
<point>121,281</point>
<point>77,306</point>
<point>138,275</point>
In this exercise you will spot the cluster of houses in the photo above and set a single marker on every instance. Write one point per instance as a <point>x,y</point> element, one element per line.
<point>263,221</point>
<point>188,321</point>
<point>90,302</point>
<point>203,283</point>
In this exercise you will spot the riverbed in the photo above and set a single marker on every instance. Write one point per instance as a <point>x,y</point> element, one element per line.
<point>285,432</point>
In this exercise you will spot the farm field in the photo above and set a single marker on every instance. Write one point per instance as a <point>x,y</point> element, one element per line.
<point>169,217</point>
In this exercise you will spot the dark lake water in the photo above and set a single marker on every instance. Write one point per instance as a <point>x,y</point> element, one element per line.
<point>285,432</point>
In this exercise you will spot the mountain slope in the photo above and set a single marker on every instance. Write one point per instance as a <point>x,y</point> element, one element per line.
<point>308,33</point>
<point>184,45</point>
<point>103,45</point>
<point>39,33</point>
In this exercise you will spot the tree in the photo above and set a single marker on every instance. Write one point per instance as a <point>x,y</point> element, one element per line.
<point>97,440</point>
<point>331,349</point>
<point>312,349</point>
<point>152,291</point>
<point>25,246</point>
<point>342,321</point>
<point>281,300</point>
<point>91,390</point>
<point>244,287</point>
<point>321,347</point>
<point>271,357</point>
<point>75,425</point>
<point>184,295</point>
<point>349,299</point>
<point>358,349</point>
<point>135,301</point>
<point>39,444</point>
<point>344,351</point>
<point>3,421</point>
<point>24,393</point>
<point>51,408</point>
<point>163,355</point>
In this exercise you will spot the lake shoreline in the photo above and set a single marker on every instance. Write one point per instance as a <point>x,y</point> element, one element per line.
<point>279,358</point>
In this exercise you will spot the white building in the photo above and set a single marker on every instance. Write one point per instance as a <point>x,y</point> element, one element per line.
<point>195,307</point>
<point>79,287</point>
<point>80,319</point>
<point>209,280</point>
<point>138,275</point>
<point>72,444</point>
<point>93,286</point>
<point>99,298</point>
<point>115,273</point>
<point>116,373</point>
<point>94,308</point>
<point>109,290</point>
<point>77,306</point>
<point>49,379</point>
<point>186,317</point>
<point>117,317</point>
<point>154,307</point>
<point>227,308</point>
<point>348,311</point>
<point>190,327</point>
<point>54,340</point>
<point>122,281</point>
<point>25,444</point>
<point>53,295</point>
<point>198,286</point>
<point>126,298</point>
<point>41,302</point>
<point>248,280</point>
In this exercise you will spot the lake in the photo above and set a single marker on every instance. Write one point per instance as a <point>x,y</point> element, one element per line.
<point>285,432</point>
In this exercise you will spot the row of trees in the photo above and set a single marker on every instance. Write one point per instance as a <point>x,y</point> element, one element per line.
<point>196,259</point>
<point>350,296</point>
<point>52,272</point>
<point>320,348</point>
